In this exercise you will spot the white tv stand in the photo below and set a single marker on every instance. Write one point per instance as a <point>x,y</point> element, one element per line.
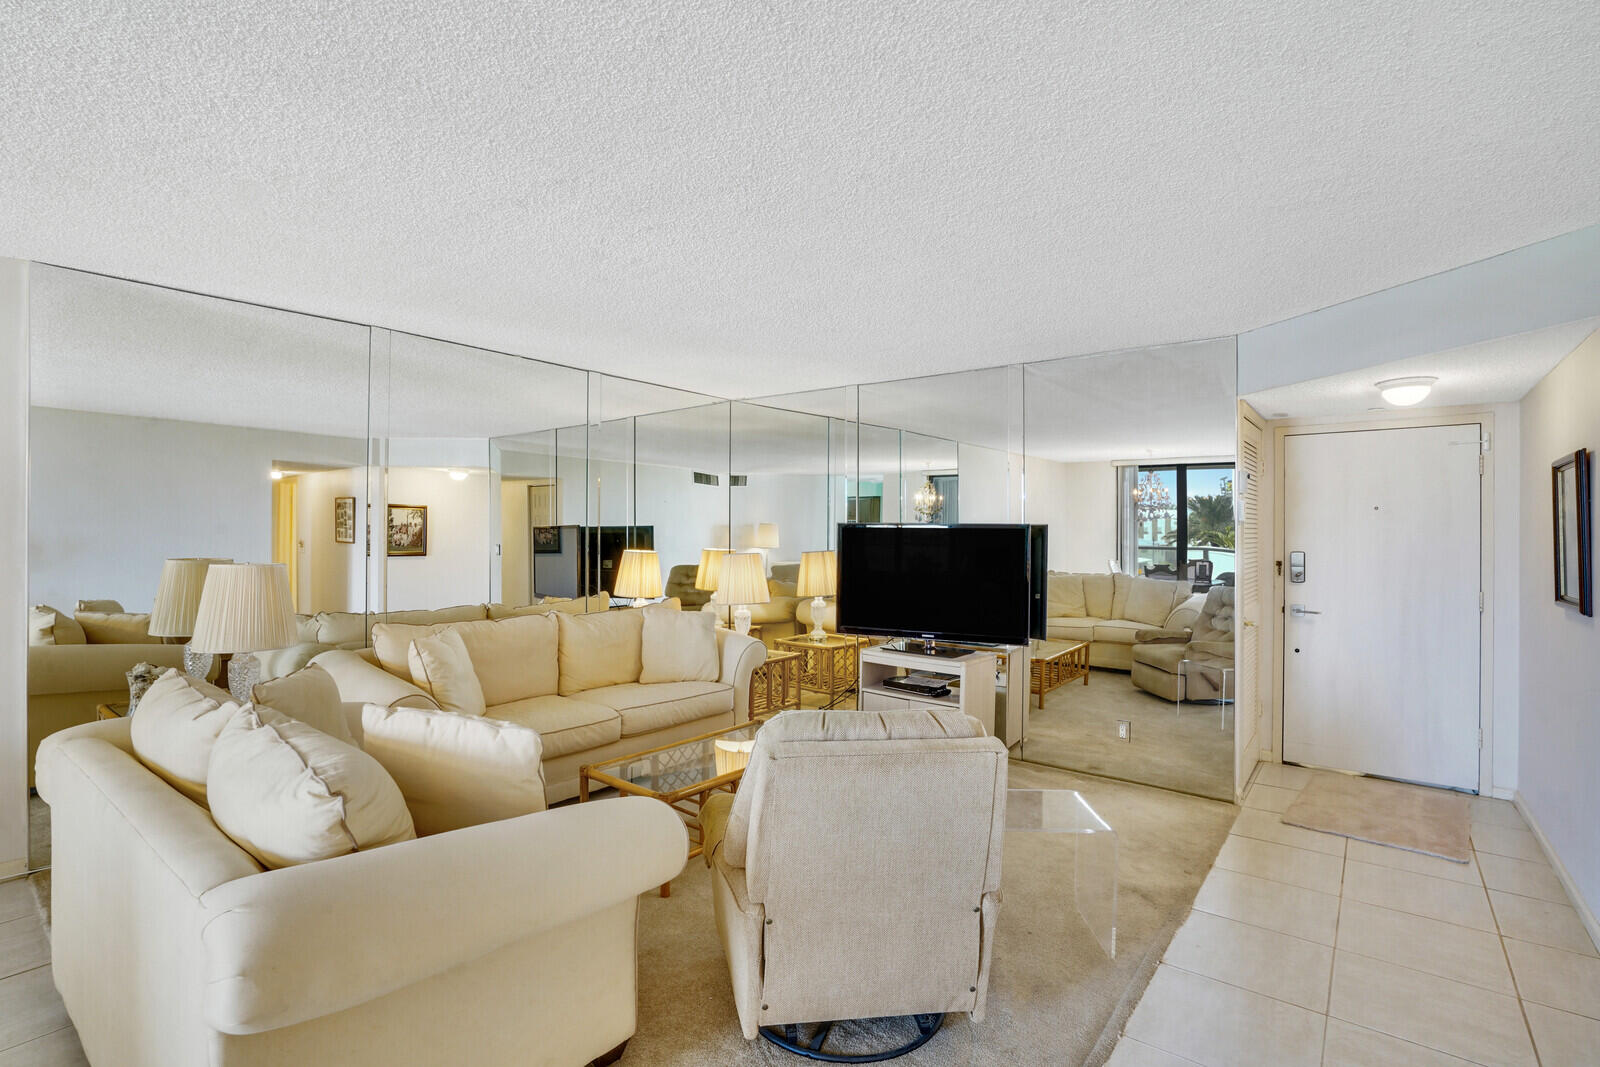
<point>974,670</point>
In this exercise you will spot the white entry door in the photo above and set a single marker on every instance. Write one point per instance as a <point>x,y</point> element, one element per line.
<point>1381,638</point>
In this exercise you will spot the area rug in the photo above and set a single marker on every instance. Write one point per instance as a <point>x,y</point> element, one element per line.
<point>1430,821</point>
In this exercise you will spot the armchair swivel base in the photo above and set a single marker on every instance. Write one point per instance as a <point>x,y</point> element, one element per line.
<point>791,1039</point>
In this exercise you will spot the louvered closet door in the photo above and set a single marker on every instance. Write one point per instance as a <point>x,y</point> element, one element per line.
<point>1248,598</point>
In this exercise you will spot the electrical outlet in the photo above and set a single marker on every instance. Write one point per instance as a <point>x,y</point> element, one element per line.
<point>1124,730</point>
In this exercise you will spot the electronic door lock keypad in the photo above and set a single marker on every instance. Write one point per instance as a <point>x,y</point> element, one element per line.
<point>1297,566</point>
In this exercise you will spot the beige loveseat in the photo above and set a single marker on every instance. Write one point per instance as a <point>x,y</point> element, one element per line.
<point>575,678</point>
<point>511,942</point>
<point>1158,654</point>
<point>1107,610</point>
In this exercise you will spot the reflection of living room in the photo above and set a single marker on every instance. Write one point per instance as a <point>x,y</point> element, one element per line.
<point>708,534</point>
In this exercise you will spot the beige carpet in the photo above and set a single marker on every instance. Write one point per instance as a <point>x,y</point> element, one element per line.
<point>1054,997</point>
<point>1077,730</point>
<point>1430,821</point>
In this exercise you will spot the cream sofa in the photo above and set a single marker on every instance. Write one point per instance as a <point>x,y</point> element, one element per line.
<point>1107,610</point>
<point>512,942</point>
<point>572,677</point>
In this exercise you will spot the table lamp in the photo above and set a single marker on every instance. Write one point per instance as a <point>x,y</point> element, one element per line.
<point>710,569</point>
<point>245,607</point>
<point>177,603</point>
<point>639,576</point>
<point>819,577</point>
<point>743,582</point>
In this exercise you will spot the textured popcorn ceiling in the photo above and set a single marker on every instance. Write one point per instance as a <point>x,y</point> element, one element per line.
<point>751,198</point>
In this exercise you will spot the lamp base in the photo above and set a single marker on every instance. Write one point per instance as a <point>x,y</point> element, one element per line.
<point>818,606</point>
<point>243,672</point>
<point>197,664</point>
<point>741,621</point>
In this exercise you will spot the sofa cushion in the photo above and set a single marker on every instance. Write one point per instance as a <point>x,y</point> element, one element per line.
<point>647,708</point>
<point>441,667</point>
<point>1185,613</point>
<point>678,646</point>
<point>178,721</point>
<point>776,588</point>
<point>116,628</point>
<point>1097,592</point>
<point>47,626</point>
<point>1150,600</point>
<point>507,611</point>
<point>288,793</point>
<point>110,606</point>
<point>1121,585</point>
<point>310,695</point>
<point>1117,631</point>
<point>429,616</point>
<point>1070,629</point>
<point>514,657</point>
<point>454,770</point>
<point>1065,595</point>
<point>599,649</point>
<point>565,725</point>
<point>336,628</point>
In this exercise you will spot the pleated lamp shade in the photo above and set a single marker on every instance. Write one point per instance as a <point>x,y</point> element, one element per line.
<point>710,571</point>
<point>766,535</point>
<point>178,596</point>
<point>819,574</point>
<point>639,575</point>
<point>245,608</point>
<point>743,580</point>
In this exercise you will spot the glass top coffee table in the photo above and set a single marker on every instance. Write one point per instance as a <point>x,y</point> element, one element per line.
<point>681,775</point>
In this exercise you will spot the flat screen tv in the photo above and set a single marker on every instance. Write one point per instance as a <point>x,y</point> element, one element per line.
<point>966,583</point>
<point>1038,580</point>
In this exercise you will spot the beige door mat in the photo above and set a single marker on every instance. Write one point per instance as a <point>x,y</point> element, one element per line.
<point>1433,822</point>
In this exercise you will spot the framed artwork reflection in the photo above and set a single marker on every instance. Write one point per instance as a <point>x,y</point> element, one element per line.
<point>344,520</point>
<point>408,530</point>
<point>546,540</point>
<point>1572,500</point>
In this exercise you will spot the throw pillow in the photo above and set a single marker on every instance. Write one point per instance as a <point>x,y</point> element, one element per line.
<point>288,793</point>
<point>110,606</point>
<point>514,658</point>
<point>678,646</point>
<point>309,695</point>
<point>178,721</point>
<point>599,649</point>
<point>455,770</point>
<point>47,626</point>
<point>391,643</point>
<point>116,628</point>
<point>441,667</point>
<point>1065,594</point>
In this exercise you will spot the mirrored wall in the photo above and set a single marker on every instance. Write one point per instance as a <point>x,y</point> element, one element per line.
<point>402,477</point>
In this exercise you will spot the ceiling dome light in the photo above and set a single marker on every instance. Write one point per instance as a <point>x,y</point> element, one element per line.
<point>277,475</point>
<point>458,476</point>
<point>1404,392</point>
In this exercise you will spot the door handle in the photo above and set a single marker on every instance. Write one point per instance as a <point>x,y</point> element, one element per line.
<point>1301,609</point>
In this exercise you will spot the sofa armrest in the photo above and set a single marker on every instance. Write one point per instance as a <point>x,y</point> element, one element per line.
<point>299,943</point>
<point>56,669</point>
<point>361,681</point>
<point>741,654</point>
<point>1161,637</point>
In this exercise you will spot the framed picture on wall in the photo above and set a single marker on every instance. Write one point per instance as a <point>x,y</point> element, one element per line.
<point>1572,492</point>
<point>344,520</point>
<point>408,530</point>
<point>546,540</point>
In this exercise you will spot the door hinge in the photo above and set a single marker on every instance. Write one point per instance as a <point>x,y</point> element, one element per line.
<point>1480,602</point>
<point>1480,464</point>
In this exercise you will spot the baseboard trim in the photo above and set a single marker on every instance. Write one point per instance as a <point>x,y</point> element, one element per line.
<point>1504,794</point>
<point>1585,912</point>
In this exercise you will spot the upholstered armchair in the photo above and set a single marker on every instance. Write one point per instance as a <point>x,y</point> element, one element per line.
<point>1158,654</point>
<point>680,584</point>
<point>856,873</point>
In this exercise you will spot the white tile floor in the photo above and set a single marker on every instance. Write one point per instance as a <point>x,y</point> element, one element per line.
<point>34,1029</point>
<point>1304,948</point>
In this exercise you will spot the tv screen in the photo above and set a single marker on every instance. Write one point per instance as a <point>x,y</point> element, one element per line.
<point>966,583</point>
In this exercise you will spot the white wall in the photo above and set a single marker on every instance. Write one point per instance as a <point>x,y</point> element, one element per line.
<point>112,496</point>
<point>798,503</point>
<point>332,577</point>
<point>1504,589</point>
<point>463,528</point>
<point>1559,748</point>
<point>1078,501</point>
<point>13,579</point>
<point>985,487</point>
